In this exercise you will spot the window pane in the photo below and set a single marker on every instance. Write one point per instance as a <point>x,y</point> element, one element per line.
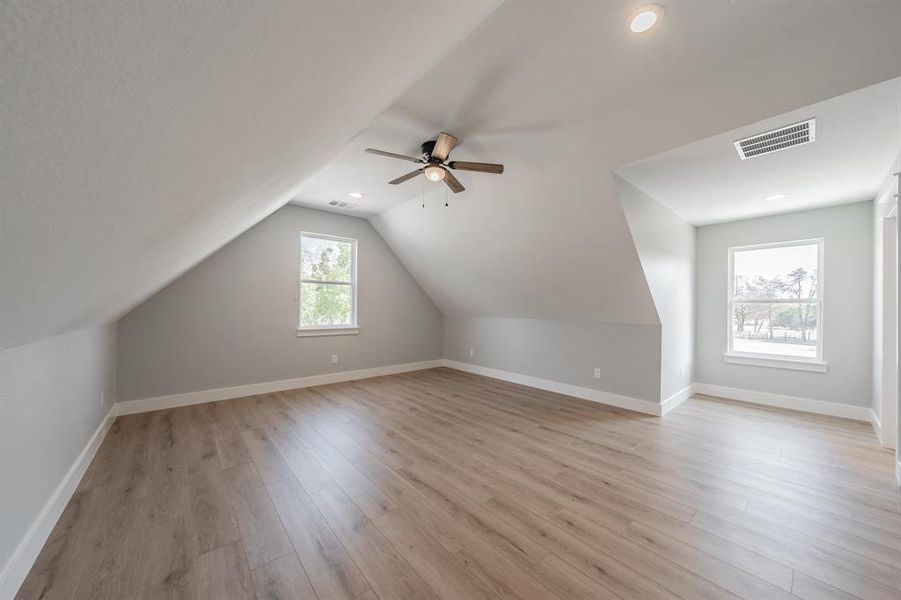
<point>328,260</point>
<point>324,304</point>
<point>784,329</point>
<point>776,273</point>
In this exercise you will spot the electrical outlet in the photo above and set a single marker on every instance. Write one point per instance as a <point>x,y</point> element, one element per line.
<point>102,396</point>
<point>334,359</point>
<point>472,352</point>
<point>681,375</point>
<point>597,373</point>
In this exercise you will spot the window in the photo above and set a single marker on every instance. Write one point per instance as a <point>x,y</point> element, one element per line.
<point>776,305</point>
<point>328,285</point>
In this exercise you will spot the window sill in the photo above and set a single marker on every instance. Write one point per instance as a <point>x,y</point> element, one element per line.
<point>328,331</point>
<point>776,363</point>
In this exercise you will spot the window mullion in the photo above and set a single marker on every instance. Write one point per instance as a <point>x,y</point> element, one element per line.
<point>772,301</point>
<point>320,281</point>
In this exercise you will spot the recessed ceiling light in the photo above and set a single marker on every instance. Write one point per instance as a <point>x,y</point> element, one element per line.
<point>777,197</point>
<point>646,18</point>
<point>355,194</point>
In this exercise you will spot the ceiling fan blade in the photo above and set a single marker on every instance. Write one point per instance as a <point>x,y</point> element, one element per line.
<point>453,183</point>
<point>474,166</point>
<point>403,178</point>
<point>393,155</point>
<point>443,145</point>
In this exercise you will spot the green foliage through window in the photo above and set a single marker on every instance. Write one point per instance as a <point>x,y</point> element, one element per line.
<point>327,281</point>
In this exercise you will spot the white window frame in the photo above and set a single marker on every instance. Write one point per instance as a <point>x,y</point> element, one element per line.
<point>316,331</point>
<point>817,364</point>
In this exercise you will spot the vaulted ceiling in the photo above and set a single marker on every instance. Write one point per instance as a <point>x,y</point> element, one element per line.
<point>140,137</point>
<point>563,96</point>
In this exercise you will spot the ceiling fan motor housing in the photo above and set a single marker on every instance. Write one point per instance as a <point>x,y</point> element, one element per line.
<point>427,148</point>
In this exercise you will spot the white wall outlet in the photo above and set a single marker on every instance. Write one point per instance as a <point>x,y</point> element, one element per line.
<point>472,352</point>
<point>102,396</point>
<point>334,359</point>
<point>682,375</point>
<point>597,373</point>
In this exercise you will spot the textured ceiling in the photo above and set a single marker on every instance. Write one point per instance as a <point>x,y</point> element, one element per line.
<point>563,95</point>
<point>139,137</point>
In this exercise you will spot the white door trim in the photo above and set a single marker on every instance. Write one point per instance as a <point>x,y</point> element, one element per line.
<point>889,415</point>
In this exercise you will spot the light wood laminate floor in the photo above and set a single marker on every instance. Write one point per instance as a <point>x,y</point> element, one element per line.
<point>442,484</point>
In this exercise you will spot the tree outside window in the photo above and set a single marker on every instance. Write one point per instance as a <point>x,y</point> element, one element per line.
<point>327,282</point>
<point>775,300</point>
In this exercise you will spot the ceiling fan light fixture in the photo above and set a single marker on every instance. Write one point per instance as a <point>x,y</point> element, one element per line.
<point>646,18</point>
<point>434,173</point>
<point>434,154</point>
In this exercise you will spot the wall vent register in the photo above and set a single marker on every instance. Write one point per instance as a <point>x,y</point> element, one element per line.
<point>342,204</point>
<point>776,140</point>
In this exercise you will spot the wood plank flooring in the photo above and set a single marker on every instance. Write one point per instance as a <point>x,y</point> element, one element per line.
<point>444,485</point>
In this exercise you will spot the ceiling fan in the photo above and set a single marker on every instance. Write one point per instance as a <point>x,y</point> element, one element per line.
<point>434,155</point>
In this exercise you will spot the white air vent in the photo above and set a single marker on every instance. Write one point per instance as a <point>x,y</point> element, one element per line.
<point>341,204</point>
<point>778,139</point>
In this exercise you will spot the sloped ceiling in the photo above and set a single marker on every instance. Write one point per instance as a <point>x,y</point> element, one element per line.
<point>139,137</point>
<point>857,136</point>
<point>563,94</point>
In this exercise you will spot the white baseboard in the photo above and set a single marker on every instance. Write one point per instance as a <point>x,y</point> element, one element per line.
<point>627,402</point>
<point>677,399</point>
<point>16,569</point>
<point>129,407</point>
<point>833,409</point>
<point>877,425</point>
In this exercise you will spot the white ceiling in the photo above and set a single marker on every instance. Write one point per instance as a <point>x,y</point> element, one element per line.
<point>857,136</point>
<point>563,94</point>
<point>139,137</point>
<point>369,173</point>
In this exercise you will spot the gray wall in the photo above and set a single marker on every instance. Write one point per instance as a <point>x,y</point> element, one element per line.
<point>564,351</point>
<point>847,303</point>
<point>49,408</point>
<point>666,248</point>
<point>232,319</point>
